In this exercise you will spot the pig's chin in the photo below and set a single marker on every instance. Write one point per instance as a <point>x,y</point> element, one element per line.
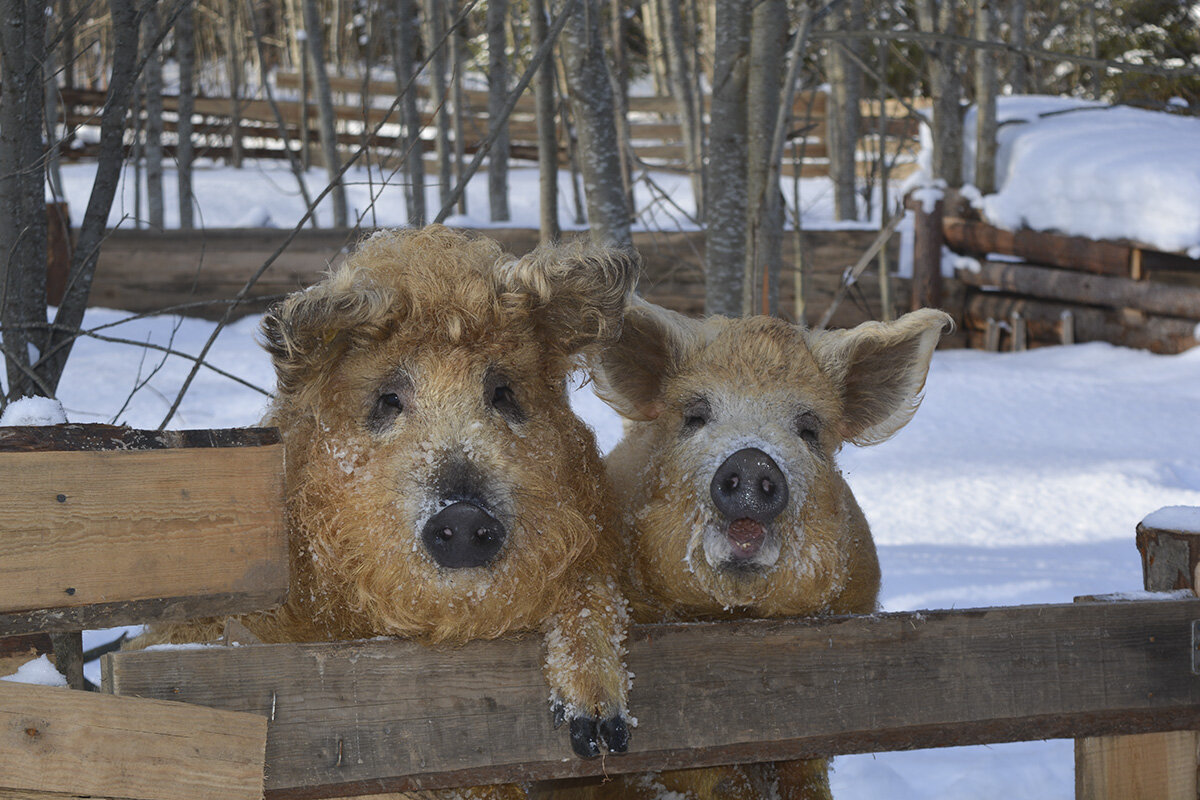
<point>741,547</point>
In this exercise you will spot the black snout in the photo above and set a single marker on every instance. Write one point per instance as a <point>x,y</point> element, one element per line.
<point>463,535</point>
<point>749,485</point>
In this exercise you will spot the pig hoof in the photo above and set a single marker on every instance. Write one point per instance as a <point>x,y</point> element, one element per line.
<point>615,733</point>
<point>585,737</point>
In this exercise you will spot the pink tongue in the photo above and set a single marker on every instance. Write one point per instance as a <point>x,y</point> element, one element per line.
<point>746,536</point>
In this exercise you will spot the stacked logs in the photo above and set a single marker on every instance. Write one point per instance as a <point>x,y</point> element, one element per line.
<point>1035,288</point>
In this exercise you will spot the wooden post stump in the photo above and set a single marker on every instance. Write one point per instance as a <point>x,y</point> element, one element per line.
<point>927,256</point>
<point>1153,766</point>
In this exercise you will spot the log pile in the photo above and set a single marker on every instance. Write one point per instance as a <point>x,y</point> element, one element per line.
<point>1032,288</point>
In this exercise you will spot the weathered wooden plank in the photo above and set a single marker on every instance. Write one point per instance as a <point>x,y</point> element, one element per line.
<point>83,743</point>
<point>1077,287</point>
<point>163,527</point>
<point>1052,249</point>
<point>387,715</point>
<point>1044,321</point>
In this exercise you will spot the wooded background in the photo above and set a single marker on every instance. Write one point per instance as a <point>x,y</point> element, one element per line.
<point>744,96</point>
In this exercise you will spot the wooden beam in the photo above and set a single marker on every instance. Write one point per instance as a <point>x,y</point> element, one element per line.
<point>102,525</point>
<point>88,744</point>
<point>1050,249</point>
<point>1078,287</point>
<point>1044,320</point>
<point>388,715</point>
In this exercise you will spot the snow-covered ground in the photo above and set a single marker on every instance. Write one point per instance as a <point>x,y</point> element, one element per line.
<point>1020,480</point>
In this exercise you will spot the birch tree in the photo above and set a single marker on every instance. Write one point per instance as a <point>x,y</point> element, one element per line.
<point>497,38</point>
<point>844,117</point>
<point>945,85</point>
<point>682,74</point>
<point>185,52</point>
<point>154,118</point>
<point>405,27</point>
<point>313,24</point>
<point>725,211</point>
<point>547,138</point>
<point>985,99</point>
<point>593,108</point>
<point>435,34</point>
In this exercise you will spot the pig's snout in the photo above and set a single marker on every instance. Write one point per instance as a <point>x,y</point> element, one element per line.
<point>749,485</point>
<point>463,535</point>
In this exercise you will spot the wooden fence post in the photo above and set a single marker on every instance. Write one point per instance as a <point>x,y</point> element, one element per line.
<point>927,256</point>
<point>1151,766</point>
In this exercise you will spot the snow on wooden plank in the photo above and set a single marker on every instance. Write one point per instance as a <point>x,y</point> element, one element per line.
<point>388,715</point>
<point>102,525</point>
<point>88,744</point>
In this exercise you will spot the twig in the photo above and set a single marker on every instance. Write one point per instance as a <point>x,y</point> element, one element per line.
<point>851,276</point>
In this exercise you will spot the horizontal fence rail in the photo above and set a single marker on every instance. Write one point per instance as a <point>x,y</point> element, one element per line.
<point>387,715</point>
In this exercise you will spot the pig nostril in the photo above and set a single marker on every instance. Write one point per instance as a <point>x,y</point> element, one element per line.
<point>767,486</point>
<point>732,484</point>
<point>445,535</point>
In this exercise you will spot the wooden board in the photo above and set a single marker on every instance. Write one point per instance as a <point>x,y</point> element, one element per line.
<point>103,526</point>
<point>1077,287</point>
<point>1148,766</point>
<point>83,743</point>
<point>388,715</point>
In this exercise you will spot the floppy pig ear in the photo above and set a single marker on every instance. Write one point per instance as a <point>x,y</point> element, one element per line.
<point>880,369</point>
<point>306,330</point>
<point>577,292</point>
<point>629,372</point>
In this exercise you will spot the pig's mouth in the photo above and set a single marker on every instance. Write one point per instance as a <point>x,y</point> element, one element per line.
<point>746,537</point>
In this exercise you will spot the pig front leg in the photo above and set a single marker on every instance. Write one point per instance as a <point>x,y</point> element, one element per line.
<point>585,667</point>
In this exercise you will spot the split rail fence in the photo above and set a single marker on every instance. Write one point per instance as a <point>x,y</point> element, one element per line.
<point>102,526</point>
<point>655,134</point>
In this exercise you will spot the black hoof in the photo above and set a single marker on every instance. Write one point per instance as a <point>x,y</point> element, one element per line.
<point>585,737</point>
<point>615,733</point>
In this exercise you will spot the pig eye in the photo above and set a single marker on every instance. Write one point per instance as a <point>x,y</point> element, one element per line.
<point>392,398</point>
<point>808,427</point>
<point>696,415</point>
<point>504,400</point>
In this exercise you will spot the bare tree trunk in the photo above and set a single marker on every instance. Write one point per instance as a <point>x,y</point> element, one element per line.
<point>50,83</point>
<point>405,38</point>
<point>497,33</point>
<point>546,132</point>
<point>844,118</point>
<point>22,195</point>
<point>655,56</point>
<point>233,64</point>
<point>946,87</point>
<point>985,99</point>
<point>1020,70</point>
<point>305,95</point>
<point>458,50</point>
<point>154,120</point>
<point>619,75</point>
<point>764,211</point>
<point>593,107</point>
<point>725,211</point>
<point>435,31</point>
<point>108,175</point>
<point>313,24</point>
<point>685,99</point>
<point>185,52</point>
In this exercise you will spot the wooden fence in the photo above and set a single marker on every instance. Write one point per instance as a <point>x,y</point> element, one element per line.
<point>654,130</point>
<point>1032,288</point>
<point>334,719</point>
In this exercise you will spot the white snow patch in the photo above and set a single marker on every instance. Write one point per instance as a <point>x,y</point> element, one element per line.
<point>1185,519</point>
<point>39,671</point>
<point>33,411</point>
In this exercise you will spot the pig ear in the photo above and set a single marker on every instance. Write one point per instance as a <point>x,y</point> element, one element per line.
<point>575,293</point>
<point>307,330</point>
<point>629,373</point>
<point>880,369</point>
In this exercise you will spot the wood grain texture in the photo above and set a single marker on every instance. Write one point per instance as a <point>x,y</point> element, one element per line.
<point>388,715</point>
<point>127,536</point>
<point>88,744</point>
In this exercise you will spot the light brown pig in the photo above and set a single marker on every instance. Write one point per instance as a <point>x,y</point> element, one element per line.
<point>734,503</point>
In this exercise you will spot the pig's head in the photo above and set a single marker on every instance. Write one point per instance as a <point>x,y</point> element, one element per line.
<point>438,483</point>
<point>734,498</point>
